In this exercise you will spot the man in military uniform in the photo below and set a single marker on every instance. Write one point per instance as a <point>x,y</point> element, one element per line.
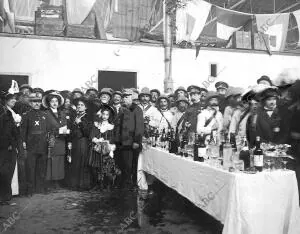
<point>194,109</point>
<point>221,88</point>
<point>34,138</point>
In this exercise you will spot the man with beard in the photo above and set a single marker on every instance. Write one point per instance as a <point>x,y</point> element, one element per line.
<point>34,140</point>
<point>210,119</point>
<point>154,96</point>
<point>130,132</point>
<point>222,88</point>
<point>233,98</point>
<point>164,116</point>
<point>190,120</point>
<point>182,105</point>
<point>105,95</point>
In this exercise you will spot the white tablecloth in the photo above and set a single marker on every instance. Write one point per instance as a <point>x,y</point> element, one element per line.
<point>262,203</point>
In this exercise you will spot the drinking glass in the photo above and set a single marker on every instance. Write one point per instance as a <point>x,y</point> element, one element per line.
<point>268,162</point>
<point>284,161</point>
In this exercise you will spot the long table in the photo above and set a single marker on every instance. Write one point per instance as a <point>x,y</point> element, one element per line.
<point>262,203</point>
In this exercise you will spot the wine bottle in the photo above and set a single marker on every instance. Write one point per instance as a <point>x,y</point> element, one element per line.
<point>69,157</point>
<point>233,142</point>
<point>258,155</point>
<point>196,148</point>
<point>201,148</point>
<point>245,154</point>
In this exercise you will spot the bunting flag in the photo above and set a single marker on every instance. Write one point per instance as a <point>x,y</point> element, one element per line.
<point>276,26</point>
<point>191,19</point>
<point>297,16</point>
<point>78,10</point>
<point>229,21</point>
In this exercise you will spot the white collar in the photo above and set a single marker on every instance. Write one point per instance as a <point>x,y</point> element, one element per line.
<point>103,127</point>
<point>53,110</point>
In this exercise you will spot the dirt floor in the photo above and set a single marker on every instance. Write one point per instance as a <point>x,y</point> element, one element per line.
<point>119,211</point>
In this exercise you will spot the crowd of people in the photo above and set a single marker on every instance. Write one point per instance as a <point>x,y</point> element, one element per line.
<point>92,140</point>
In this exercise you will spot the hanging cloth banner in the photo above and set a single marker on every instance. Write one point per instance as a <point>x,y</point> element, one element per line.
<point>190,20</point>
<point>229,21</point>
<point>78,10</point>
<point>24,9</point>
<point>297,16</point>
<point>276,26</point>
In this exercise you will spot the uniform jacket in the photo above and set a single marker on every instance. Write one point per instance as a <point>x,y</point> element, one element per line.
<point>34,130</point>
<point>130,128</point>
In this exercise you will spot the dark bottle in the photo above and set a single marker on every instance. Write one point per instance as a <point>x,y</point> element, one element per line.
<point>173,148</point>
<point>156,137</point>
<point>201,148</point>
<point>245,154</point>
<point>163,139</point>
<point>258,155</point>
<point>222,145</point>
<point>69,157</point>
<point>184,142</point>
<point>196,147</point>
<point>233,141</point>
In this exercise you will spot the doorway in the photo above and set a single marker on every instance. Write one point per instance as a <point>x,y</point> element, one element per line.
<point>5,81</point>
<point>117,80</point>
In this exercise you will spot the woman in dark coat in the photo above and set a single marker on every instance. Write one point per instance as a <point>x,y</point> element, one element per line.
<point>57,120</point>
<point>8,145</point>
<point>102,139</point>
<point>78,171</point>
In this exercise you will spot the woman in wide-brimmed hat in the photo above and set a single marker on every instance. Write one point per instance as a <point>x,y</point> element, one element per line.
<point>59,133</point>
<point>101,160</point>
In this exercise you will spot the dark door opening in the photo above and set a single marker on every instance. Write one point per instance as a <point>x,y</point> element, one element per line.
<point>117,80</point>
<point>5,81</point>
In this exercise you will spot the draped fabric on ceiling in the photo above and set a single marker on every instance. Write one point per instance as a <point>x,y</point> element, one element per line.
<point>276,26</point>
<point>132,17</point>
<point>297,16</point>
<point>191,19</point>
<point>78,10</point>
<point>24,9</point>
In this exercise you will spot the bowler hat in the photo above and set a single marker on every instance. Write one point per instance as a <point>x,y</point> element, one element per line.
<point>155,90</point>
<point>106,91</point>
<point>145,91</point>
<point>163,97</point>
<point>117,93</point>
<point>127,92</point>
<point>180,88</point>
<point>77,90</point>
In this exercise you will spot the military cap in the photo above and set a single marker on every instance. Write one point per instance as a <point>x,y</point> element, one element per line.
<point>269,92</point>
<point>221,85</point>
<point>77,90</point>
<point>127,92</point>
<point>33,97</point>
<point>211,95</point>
<point>117,93</point>
<point>38,90</point>
<point>91,89</point>
<point>25,86</point>
<point>194,89</point>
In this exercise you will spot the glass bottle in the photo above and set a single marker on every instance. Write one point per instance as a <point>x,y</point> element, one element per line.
<point>258,155</point>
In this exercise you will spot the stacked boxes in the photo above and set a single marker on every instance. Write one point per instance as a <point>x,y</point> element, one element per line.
<point>49,21</point>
